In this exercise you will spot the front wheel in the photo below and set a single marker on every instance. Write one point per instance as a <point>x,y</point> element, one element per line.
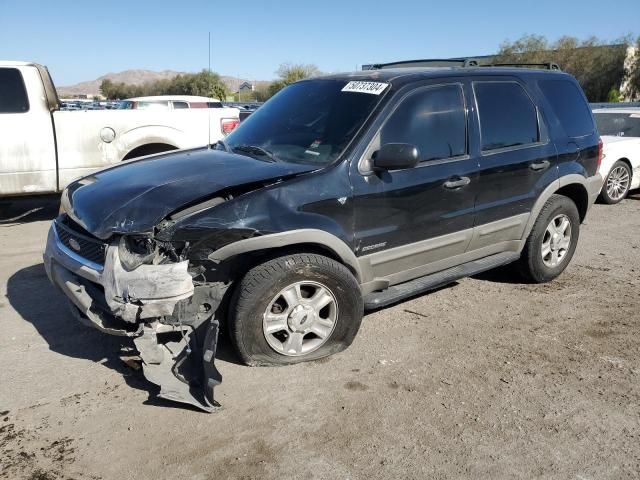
<point>552,241</point>
<point>294,308</point>
<point>616,185</point>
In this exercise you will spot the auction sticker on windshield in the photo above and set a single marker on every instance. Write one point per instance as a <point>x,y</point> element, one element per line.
<point>374,88</point>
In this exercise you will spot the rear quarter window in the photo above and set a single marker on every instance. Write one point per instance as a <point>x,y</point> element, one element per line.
<point>569,106</point>
<point>13,94</point>
<point>508,117</point>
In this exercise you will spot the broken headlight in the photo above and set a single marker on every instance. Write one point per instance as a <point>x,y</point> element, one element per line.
<point>135,250</point>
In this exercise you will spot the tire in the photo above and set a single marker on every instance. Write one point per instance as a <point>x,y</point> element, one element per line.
<point>616,185</point>
<point>536,267</point>
<point>267,329</point>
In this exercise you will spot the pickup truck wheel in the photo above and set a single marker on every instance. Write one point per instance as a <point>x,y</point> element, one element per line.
<point>552,241</point>
<point>616,185</point>
<point>294,308</point>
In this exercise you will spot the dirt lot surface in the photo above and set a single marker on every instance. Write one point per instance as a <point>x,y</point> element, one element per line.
<point>487,378</point>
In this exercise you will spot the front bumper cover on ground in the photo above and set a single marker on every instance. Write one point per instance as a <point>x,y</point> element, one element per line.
<point>118,302</point>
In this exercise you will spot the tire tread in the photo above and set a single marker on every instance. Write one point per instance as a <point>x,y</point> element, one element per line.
<point>251,286</point>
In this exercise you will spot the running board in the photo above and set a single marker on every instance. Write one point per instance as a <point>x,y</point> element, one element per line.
<point>408,289</point>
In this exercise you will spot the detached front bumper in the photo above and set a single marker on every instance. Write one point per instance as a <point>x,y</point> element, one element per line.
<point>131,303</point>
<point>108,290</point>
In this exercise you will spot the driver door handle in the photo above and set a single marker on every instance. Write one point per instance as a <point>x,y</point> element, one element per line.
<point>457,182</point>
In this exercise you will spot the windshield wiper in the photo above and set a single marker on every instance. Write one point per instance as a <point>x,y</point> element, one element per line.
<point>255,150</point>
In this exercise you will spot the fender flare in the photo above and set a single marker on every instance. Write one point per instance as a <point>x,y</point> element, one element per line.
<point>592,186</point>
<point>289,238</point>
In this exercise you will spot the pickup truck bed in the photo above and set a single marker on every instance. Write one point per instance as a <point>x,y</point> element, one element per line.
<point>42,149</point>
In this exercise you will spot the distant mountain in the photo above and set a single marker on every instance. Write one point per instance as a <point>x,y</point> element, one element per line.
<point>138,77</point>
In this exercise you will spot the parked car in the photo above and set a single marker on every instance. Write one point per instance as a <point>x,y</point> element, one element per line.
<point>169,102</point>
<point>43,148</point>
<point>341,193</point>
<point>620,131</point>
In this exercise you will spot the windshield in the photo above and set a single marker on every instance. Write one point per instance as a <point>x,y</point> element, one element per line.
<point>618,124</point>
<point>309,122</point>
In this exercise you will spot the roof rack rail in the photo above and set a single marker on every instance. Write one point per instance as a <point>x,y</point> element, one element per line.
<point>428,62</point>
<point>546,65</point>
<point>457,62</point>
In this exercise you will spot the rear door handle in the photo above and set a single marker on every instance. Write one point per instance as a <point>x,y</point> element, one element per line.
<point>538,166</point>
<point>457,182</point>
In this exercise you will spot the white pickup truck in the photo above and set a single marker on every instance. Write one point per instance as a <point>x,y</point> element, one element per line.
<point>42,149</point>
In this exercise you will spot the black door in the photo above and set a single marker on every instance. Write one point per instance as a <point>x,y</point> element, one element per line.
<point>517,160</point>
<point>415,216</point>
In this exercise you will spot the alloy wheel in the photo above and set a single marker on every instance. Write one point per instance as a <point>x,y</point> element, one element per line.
<point>300,318</point>
<point>556,241</point>
<point>618,183</point>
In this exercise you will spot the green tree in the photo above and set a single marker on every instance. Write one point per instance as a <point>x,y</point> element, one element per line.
<point>204,83</point>
<point>597,65</point>
<point>219,91</point>
<point>262,94</point>
<point>614,95</point>
<point>289,73</point>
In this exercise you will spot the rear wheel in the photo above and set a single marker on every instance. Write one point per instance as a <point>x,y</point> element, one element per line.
<point>294,308</point>
<point>552,241</point>
<point>616,185</point>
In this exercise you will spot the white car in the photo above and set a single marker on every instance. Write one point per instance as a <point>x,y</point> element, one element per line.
<point>169,102</point>
<point>43,148</point>
<point>620,132</point>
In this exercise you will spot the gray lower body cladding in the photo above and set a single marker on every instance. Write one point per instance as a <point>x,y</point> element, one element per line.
<point>178,357</point>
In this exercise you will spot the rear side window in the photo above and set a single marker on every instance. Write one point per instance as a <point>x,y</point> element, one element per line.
<point>508,118</point>
<point>569,106</point>
<point>433,120</point>
<point>618,124</point>
<point>179,105</point>
<point>13,95</point>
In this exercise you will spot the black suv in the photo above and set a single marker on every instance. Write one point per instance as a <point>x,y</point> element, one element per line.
<point>342,193</point>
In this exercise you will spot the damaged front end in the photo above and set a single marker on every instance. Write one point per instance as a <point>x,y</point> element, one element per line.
<point>140,287</point>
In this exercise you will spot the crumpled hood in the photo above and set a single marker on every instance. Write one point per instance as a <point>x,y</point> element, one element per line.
<point>135,196</point>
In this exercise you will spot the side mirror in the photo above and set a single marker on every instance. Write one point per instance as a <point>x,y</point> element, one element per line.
<point>396,156</point>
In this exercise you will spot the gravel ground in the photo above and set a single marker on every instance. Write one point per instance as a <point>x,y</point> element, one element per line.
<point>486,378</point>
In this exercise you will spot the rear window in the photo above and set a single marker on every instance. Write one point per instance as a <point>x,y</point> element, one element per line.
<point>618,124</point>
<point>569,105</point>
<point>159,105</point>
<point>508,118</point>
<point>13,95</point>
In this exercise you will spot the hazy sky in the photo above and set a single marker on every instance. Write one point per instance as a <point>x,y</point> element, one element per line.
<point>81,40</point>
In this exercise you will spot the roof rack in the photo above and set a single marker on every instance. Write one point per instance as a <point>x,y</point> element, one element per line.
<point>457,62</point>
<point>428,62</point>
<point>546,65</point>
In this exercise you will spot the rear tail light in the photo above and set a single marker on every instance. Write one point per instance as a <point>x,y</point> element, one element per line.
<point>600,153</point>
<point>228,125</point>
